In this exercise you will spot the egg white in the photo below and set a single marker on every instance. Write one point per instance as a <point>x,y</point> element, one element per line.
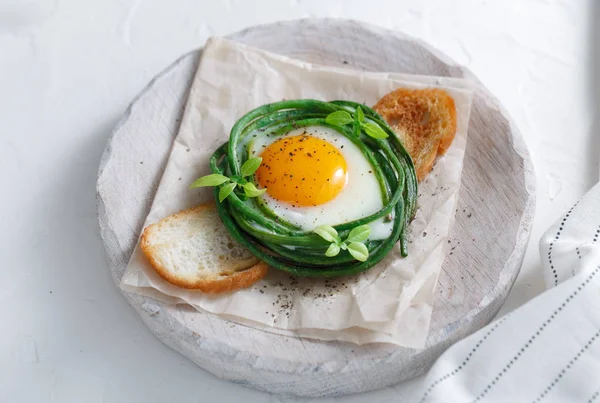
<point>360,197</point>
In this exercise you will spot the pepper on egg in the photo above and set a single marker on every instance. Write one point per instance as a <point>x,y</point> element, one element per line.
<point>316,176</point>
<point>302,170</point>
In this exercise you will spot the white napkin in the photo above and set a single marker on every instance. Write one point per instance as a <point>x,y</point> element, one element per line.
<point>547,350</point>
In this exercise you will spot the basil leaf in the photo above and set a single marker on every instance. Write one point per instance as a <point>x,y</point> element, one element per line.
<point>356,125</point>
<point>358,251</point>
<point>333,250</point>
<point>226,190</point>
<point>251,191</point>
<point>238,179</point>
<point>326,232</point>
<point>360,114</point>
<point>250,166</point>
<point>373,130</point>
<point>359,234</point>
<point>209,180</point>
<point>338,118</point>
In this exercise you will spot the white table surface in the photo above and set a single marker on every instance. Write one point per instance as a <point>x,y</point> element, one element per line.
<point>68,70</point>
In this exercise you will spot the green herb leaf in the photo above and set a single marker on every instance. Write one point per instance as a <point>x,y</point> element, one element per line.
<point>356,125</point>
<point>333,250</point>
<point>251,191</point>
<point>338,118</point>
<point>209,180</point>
<point>238,179</point>
<point>360,114</point>
<point>358,251</point>
<point>250,166</point>
<point>359,234</point>
<point>373,130</point>
<point>327,232</point>
<point>343,246</point>
<point>226,190</point>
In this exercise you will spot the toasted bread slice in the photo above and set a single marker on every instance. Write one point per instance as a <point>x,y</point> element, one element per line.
<point>425,121</point>
<point>193,249</point>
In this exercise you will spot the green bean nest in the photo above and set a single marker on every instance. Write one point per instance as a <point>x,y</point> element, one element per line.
<point>279,243</point>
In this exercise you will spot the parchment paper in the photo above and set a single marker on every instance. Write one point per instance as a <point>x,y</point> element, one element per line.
<point>390,303</point>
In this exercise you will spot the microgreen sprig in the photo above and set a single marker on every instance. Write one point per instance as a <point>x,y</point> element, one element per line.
<point>354,244</point>
<point>227,184</point>
<point>343,118</point>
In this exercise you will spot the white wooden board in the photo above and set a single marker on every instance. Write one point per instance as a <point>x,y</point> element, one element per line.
<point>485,252</point>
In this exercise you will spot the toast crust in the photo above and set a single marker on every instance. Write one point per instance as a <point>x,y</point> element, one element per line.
<point>424,120</point>
<point>241,275</point>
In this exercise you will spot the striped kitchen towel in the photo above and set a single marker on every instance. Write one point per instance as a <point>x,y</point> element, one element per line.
<point>549,349</point>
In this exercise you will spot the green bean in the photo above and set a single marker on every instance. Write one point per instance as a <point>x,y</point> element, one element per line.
<point>285,246</point>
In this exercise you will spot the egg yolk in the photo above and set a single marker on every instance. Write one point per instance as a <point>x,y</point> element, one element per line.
<point>302,170</point>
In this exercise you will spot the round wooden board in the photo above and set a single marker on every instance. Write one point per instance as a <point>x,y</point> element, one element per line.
<point>488,239</point>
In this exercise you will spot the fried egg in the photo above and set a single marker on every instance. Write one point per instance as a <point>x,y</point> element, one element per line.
<point>316,176</point>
